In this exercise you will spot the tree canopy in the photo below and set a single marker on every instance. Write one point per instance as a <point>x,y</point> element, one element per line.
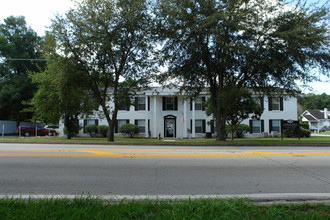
<point>111,42</point>
<point>63,91</point>
<point>19,54</point>
<point>314,101</point>
<point>246,44</point>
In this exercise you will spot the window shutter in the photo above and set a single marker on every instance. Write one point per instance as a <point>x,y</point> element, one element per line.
<point>175,103</point>
<point>136,102</point>
<point>148,103</point>
<point>149,130</point>
<point>191,102</point>
<point>212,126</point>
<point>270,125</point>
<point>203,126</point>
<point>262,102</point>
<point>270,104</point>
<point>203,103</point>
<point>250,124</point>
<point>97,122</point>
<point>164,103</point>
<point>281,103</point>
<point>262,126</point>
<point>136,122</point>
<point>127,121</point>
<point>191,125</point>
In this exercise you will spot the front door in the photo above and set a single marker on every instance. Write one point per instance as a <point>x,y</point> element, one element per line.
<point>169,128</point>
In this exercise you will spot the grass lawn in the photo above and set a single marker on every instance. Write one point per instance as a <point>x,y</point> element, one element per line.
<point>314,140</point>
<point>92,208</point>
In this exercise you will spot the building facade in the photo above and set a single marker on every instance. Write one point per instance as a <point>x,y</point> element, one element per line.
<point>161,113</point>
<point>317,119</point>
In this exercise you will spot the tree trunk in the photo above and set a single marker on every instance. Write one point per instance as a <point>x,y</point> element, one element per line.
<point>18,120</point>
<point>221,128</point>
<point>68,125</point>
<point>219,112</point>
<point>112,123</point>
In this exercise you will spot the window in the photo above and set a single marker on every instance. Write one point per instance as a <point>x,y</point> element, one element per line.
<point>170,103</point>
<point>256,126</point>
<point>119,123</point>
<point>124,104</point>
<point>140,103</point>
<point>199,125</point>
<point>199,103</point>
<point>213,126</point>
<point>141,123</point>
<point>274,125</point>
<point>90,122</point>
<point>259,101</point>
<point>275,103</point>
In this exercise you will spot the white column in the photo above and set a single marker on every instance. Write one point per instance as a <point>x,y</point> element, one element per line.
<point>146,119</point>
<point>193,133</point>
<point>184,134</point>
<point>154,130</point>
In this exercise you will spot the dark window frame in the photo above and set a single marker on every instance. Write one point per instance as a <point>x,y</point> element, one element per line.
<point>170,103</point>
<point>140,106</point>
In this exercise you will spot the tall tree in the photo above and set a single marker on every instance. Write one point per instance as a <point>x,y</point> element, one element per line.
<point>63,91</point>
<point>19,54</point>
<point>253,44</point>
<point>111,41</point>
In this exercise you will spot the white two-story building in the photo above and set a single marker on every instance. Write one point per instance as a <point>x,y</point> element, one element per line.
<point>162,113</point>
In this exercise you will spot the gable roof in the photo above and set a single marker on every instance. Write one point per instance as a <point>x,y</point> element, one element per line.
<point>313,115</point>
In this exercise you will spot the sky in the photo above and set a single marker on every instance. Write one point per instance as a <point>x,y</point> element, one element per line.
<point>38,13</point>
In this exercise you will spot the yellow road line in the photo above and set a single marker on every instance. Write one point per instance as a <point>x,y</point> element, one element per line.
<point>44,155</point>
<point>101,153</point>
<point>161,153</point>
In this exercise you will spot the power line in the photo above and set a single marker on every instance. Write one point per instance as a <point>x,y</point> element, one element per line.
<point>23,59</point>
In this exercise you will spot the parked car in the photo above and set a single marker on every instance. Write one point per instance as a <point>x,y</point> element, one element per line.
<point>31,130</point>
<point>53,127</point>
<point>317,130</point>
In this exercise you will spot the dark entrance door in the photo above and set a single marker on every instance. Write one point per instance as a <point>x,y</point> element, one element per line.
<point>169,126</point>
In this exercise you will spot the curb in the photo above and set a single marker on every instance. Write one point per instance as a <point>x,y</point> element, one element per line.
<point>259,199</point>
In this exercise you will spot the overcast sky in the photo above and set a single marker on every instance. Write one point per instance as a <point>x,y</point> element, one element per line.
<point>37,14</point>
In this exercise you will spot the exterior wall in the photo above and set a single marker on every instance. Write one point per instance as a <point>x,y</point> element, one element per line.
<point>289,112</point>
<point>315,123</point>
<point>156,120</point>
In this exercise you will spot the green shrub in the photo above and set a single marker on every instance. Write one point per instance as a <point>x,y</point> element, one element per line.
<point>305,133</point>
<point>239,130</point>
<point>91,129</point>
<point>294,133</point>
<point>103,130</point>
<point>129,129</point>
<point>304,125</point>
<point>75,129</point>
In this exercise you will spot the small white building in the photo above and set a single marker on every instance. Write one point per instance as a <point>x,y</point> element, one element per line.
<point>161,112</point>
<point>317,119</point>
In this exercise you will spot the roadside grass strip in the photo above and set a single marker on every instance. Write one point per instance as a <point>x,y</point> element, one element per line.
<point>157,153</point>
<point>96,208</point>
<point>314,140</point>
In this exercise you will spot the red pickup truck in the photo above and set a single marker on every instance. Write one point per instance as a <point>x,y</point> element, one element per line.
<point>32,130</point>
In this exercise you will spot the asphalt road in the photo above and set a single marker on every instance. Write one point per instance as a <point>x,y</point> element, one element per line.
<point>162,170</point>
